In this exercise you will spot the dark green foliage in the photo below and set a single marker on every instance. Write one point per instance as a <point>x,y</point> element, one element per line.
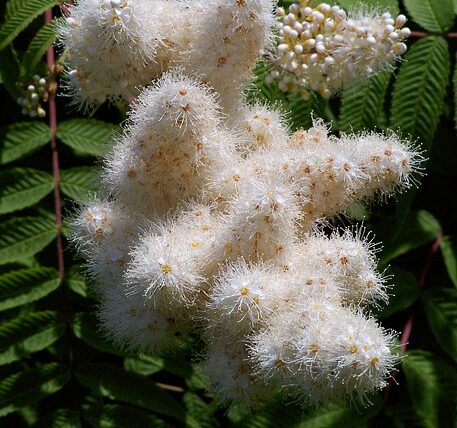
<point>57,370</point>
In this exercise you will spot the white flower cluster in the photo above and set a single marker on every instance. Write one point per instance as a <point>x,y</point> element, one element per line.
<point>207,218</point>
<point>117,46</point>
<point>324,49</point>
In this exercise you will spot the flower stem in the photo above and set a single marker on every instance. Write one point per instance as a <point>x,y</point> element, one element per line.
<point>55,157</point>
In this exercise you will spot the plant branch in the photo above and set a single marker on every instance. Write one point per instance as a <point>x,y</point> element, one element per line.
<point>55,157</point>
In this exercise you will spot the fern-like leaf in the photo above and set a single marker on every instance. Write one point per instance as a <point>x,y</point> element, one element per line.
<point>23,187</point>
<point>37,48</point>
<point>26,285</point>
<point>87,136</point>
<point>24,237</point>
<point>21,18</point>
<point>361,104</point>
<point>21,139</point>
<point>418,95</point>
<point>434,16</point>
<point>79,183</point>
<point>31,332</point>
<point>28,387</point>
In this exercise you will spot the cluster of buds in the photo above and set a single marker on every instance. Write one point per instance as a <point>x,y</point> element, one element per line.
<point>324,49</point>
<point>207,219</point>
<point>34,94</point>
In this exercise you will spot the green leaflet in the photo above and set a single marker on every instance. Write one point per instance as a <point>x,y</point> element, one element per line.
<point>361,104</point>
<point>432,384</point>
<point>23,187</point>
<point>26,286</point>
<point>118,416</point>
<point>21,139</point>
<point>37,48</point>
<point>441,309</point>
<point>199,414</point>
<point>449,251</point>
<point>79,183</point>
<point>110,381</point>
<point>419,228</point>
<point>24,237</point>
<point>88,136</point>
<point>76,281</point>
<point>29,386</point>
<point>435,16</point>
<point>417,99</point>
<point>20,18</point>
<point>31,332</point>
<point>61,418</point>
<point>85,328</point>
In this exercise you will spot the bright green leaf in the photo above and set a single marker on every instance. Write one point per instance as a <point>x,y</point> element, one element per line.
<point>419,228</point>
<point>432,384</point>
<point>435,16</point>
<point>143,365</point>
<point>21,18</point>
<point>79,183</point>
<point>404,293</point>
<point>417,98</point>
<point>116,416</point>
<point>21,139</point>
<point>23,187</point>
<point>37,48</point>
<point>449,251</point>
<point>88,136</point>
<point>110,381</point>
<point>441,309</point>
<point>383,5</point>
<point>31,332</point>
<point>29,386</point>
<point>362,103</point>
<point>26,286</point>
<point>24,237</point>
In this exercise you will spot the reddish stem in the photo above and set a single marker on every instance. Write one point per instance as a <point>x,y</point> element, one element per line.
<point>408,327</point>
<point>55,157</point>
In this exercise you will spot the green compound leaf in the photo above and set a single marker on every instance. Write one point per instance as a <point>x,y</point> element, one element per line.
<point>29,386</point>
<point>441,309</point>
<point>79,183</point>
<point>417,99</point>
<point>27,285</point>
<point>9,71</point>
<point>432,384</point>
<point>62,418</point>
<point>24,237</point>
<point>419,228</point>
<point>21,139</point>
<point>435,16</point>
<point>37,48</point>
<point>117,416</point>
<point>31,332</point>
<point>23,187</point>
<point>88,136</point>
<point>449,250</point>
<point>110,381</point>
<point>20,18</point>
<point>199,413</point>
<point>85,328</point>
<point>361,104</point>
